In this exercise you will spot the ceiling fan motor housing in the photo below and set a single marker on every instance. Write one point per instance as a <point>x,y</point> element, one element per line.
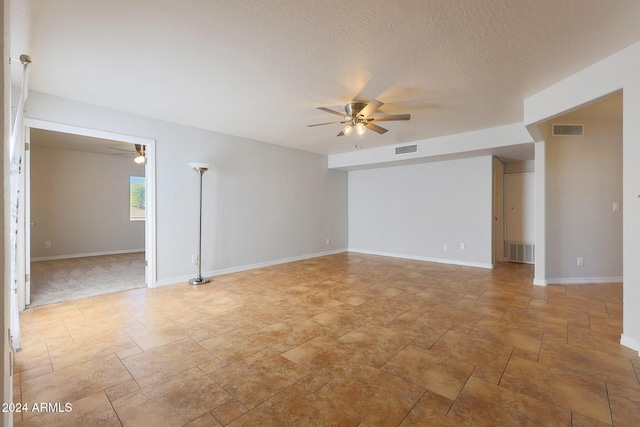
<point>352,109</point>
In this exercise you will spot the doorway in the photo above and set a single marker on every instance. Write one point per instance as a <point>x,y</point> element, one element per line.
<point>513,210</point>
<point>117,149</point>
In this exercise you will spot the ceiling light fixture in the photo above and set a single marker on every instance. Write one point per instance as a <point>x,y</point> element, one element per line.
<point>358,115</point>
<point>358,123</point>
<point>141,159</point>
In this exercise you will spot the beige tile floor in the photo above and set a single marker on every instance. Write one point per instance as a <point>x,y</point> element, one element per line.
<point>343,340</point>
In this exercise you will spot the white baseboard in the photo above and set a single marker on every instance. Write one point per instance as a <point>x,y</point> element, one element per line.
<point>183,279</point>
<point>583,280</point>
<point>428,259</point>
<point>124,251</point>
<point>631,343</point>
<point>540,282</point>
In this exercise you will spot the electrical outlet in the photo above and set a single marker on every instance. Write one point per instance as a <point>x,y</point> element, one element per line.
<point>461,245</point>
<point>445,247</point>
<point>328,241</point>
<point>47,245</point>
<point>194,259</point>
<point>580,261</point>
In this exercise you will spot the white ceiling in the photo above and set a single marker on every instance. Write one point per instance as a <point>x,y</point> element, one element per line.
<point>64,141</point>
<point>259,69</point>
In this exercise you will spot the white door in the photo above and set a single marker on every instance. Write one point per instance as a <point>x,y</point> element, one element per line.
<point>27,218</point>
<point>498,211</point>
<point>520,200</point>
<point>23,258</point>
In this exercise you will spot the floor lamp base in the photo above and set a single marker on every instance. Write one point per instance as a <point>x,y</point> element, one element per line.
<point>199,281</point>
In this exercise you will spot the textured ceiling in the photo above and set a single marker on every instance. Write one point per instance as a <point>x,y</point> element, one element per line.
<point>64,141</point>
<point>258,69</point>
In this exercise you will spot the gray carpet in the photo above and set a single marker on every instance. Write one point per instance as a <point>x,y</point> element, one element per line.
<point>73,278</point>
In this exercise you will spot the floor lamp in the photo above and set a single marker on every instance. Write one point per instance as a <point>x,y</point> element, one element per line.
<point>201,168</point>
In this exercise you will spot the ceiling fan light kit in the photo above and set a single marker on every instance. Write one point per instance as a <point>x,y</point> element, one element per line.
<point>141,158</point>
<point>357,116</point>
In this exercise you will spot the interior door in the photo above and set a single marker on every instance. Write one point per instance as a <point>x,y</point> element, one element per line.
<point>520,207</point>
<point>23,256</point>
<point>27,216</point>
<point>498,210</point>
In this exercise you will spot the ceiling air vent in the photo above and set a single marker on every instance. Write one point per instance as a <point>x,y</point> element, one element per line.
<point>405,149</point>
<point>567,130</point>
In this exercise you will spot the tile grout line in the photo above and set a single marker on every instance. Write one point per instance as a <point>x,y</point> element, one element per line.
<point>606,386</point>
<point>426,390</point>
<point>113,407</point>
<point>506,366</point>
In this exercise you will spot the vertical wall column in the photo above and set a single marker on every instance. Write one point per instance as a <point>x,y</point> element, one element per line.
<point>5,114</point>
<point>539,271</point>
<point>631,215</point>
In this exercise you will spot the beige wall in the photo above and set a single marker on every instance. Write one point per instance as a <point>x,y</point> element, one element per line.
<point>413,211</point>
<point>80,203</point>
<point>4,307</point>
<point>261,204</point>
<point>584,179</point>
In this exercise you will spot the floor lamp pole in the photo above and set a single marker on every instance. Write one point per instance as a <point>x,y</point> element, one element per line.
<point>200,168</point>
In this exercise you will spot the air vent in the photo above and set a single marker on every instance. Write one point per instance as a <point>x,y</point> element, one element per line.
<point>567,130</point>
<point>407,149</point>
<point>519,252</point>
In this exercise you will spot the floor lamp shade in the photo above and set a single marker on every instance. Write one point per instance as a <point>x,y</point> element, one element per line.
<point>200,168</point>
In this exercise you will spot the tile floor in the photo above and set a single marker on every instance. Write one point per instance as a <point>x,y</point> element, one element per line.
<point>343,340</point>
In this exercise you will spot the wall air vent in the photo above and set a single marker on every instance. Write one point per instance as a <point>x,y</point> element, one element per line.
<point>406,149</point>
<point>567,130</point>
<point>519,252</point>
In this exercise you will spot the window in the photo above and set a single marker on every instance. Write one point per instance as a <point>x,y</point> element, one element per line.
<point>136,198</point>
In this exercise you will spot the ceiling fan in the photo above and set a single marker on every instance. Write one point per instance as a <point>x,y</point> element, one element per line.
<point>357,116</point>
<point>141,157</point>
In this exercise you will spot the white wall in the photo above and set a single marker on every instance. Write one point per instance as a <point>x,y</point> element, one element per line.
<point>5,114</point>
<point>584,179</point>
<point>520,167</point>
<point>617,72</point>
<point>262,203</point>
<point>80,203</point>
<point>413,211</point>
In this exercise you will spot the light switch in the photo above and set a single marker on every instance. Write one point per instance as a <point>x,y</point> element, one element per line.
<point>616,206</point>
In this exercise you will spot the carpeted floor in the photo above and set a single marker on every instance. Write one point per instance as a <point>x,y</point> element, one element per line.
<point>73,278</point>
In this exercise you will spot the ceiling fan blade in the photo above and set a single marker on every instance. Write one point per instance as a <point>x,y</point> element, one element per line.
<point>376,128</point>
<point>370,108</point>
<point>390,118</point>
<point>322,124</point>
<point>331,111</point>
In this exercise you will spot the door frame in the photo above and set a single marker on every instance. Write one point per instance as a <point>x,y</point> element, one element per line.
<point>24,286</point>
<point>497,222</point>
